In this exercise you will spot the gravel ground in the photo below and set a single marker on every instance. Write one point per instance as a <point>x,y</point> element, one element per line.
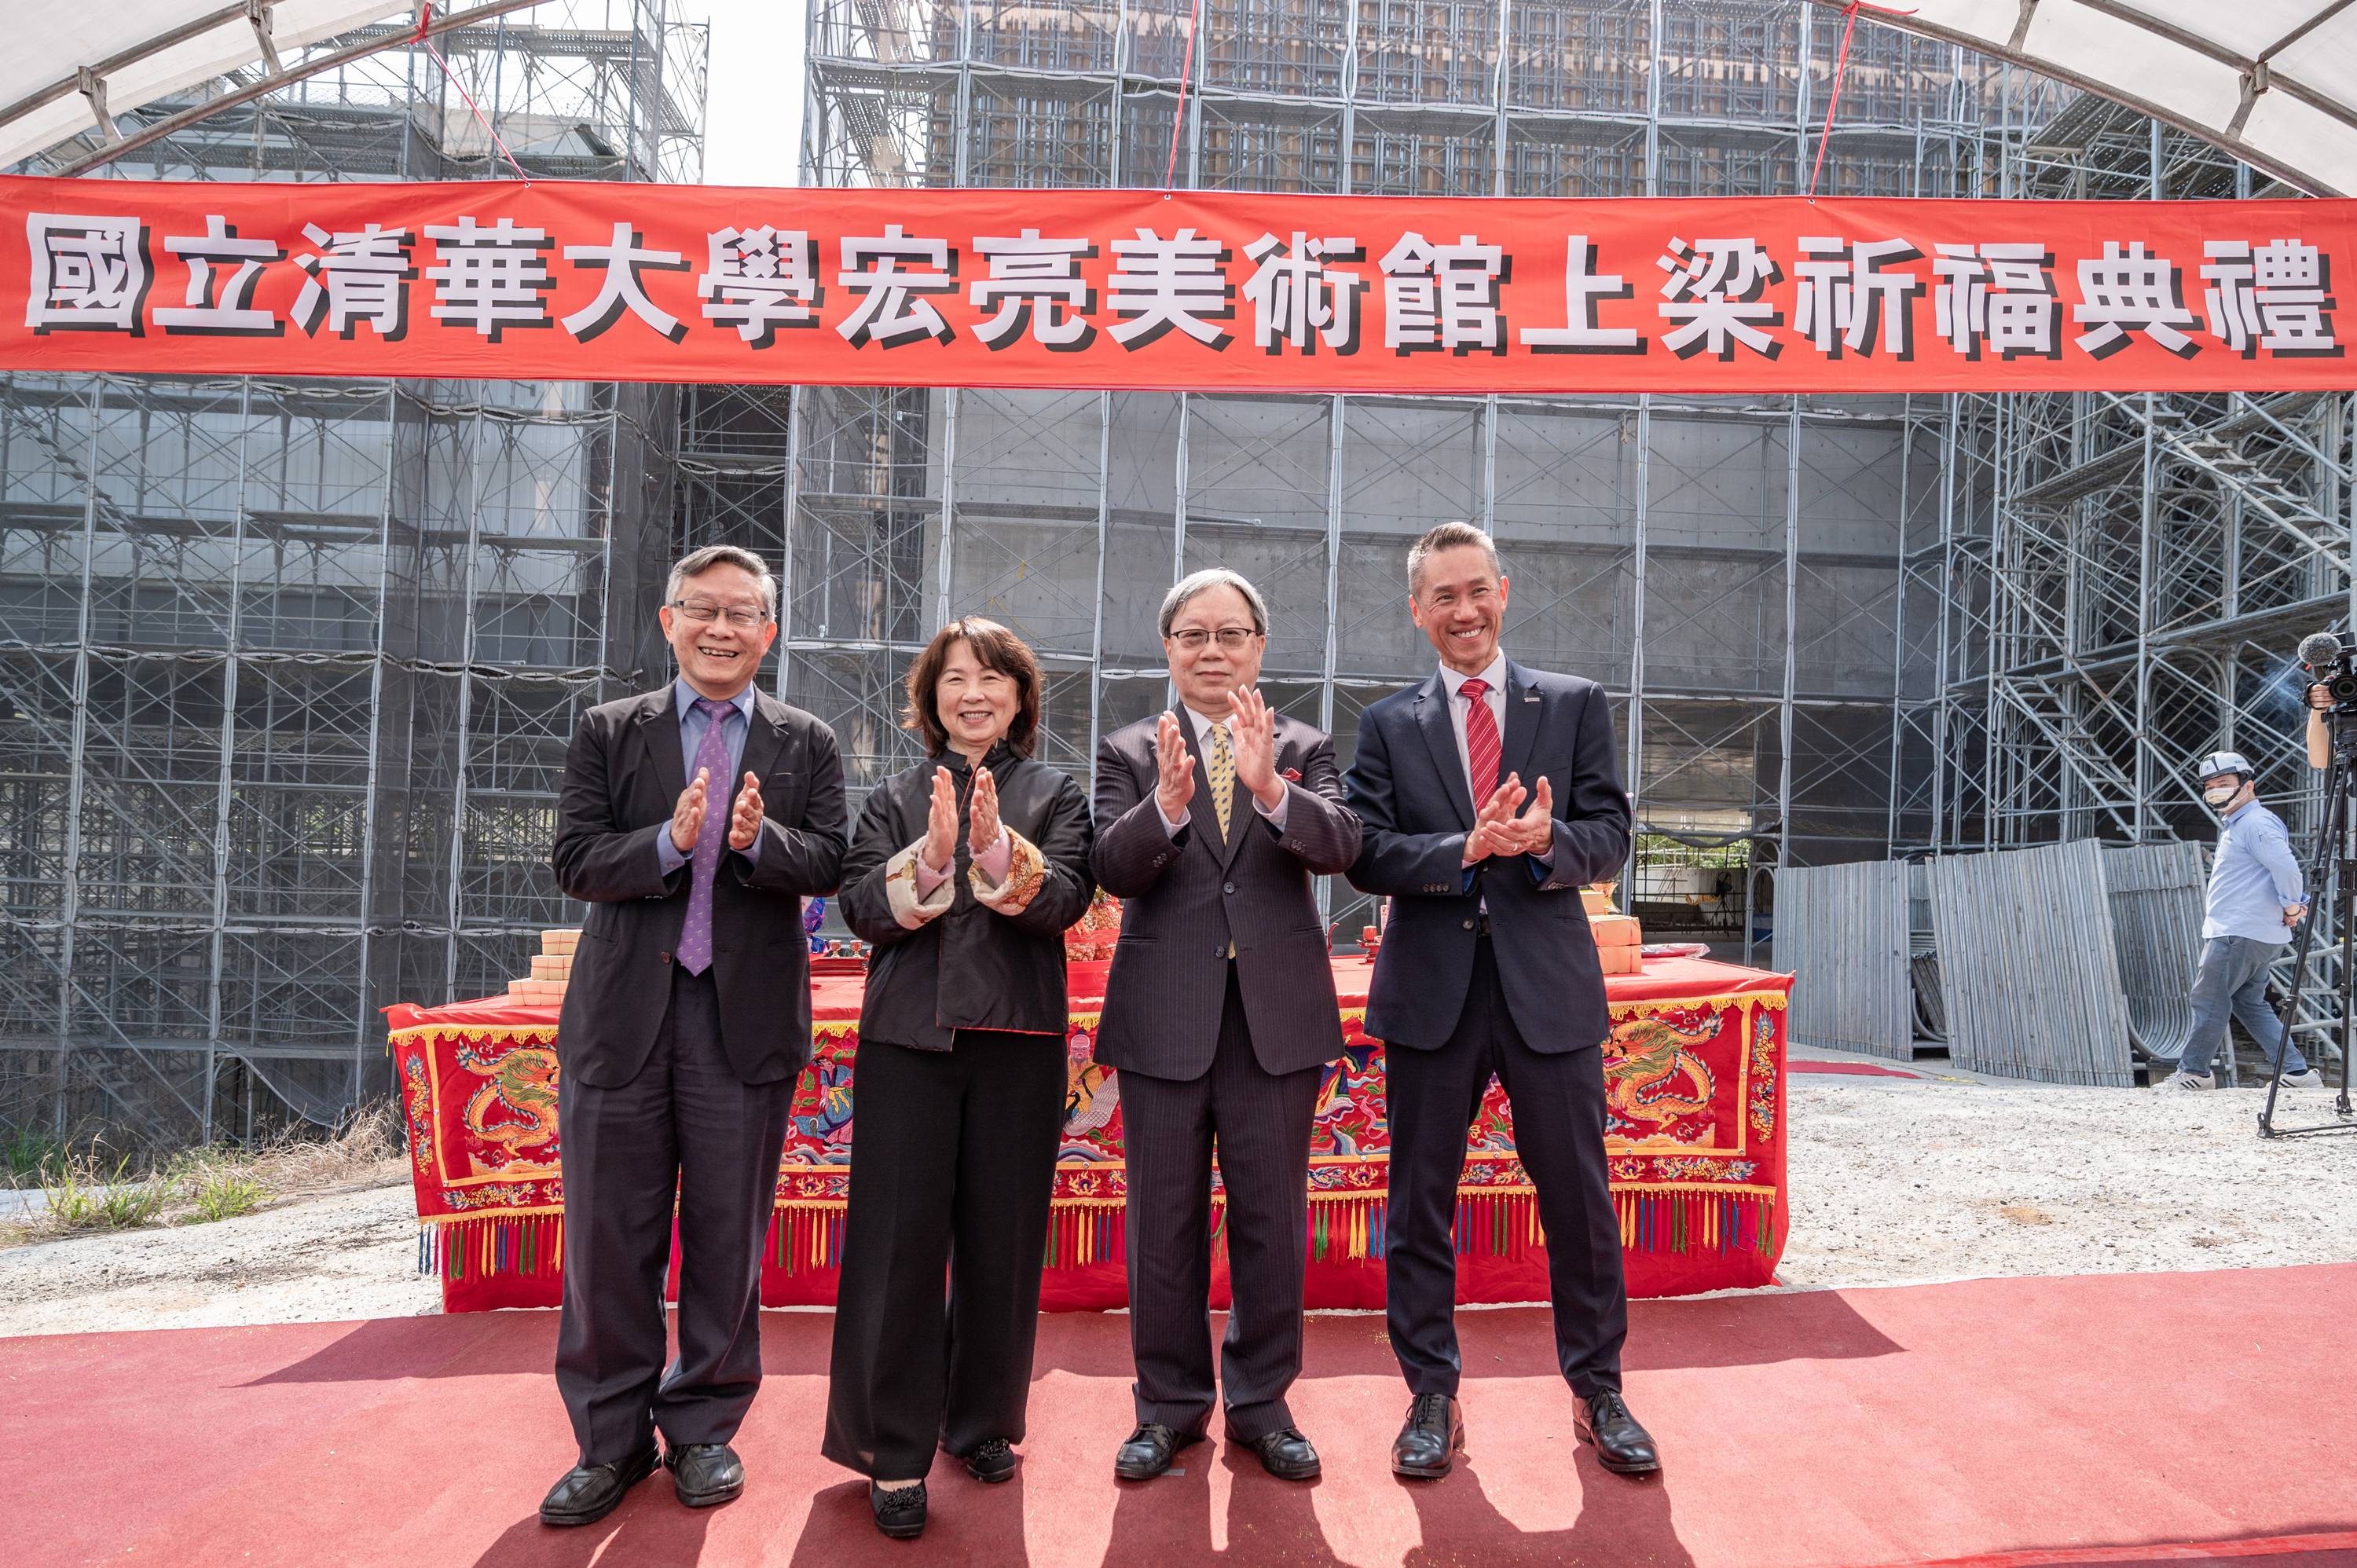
<point>352,1254</point>
<point>1894,1181</point>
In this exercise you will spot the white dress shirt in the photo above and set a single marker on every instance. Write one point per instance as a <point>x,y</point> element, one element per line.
<point>1202,728</point>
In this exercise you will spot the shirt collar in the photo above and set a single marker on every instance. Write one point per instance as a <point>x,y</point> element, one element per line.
<point>683,699</point>
<point>2238,810</point>
<point>1495,676</point>
<point>1204,724</point>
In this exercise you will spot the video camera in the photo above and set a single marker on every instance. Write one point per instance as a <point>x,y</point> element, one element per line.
<point>2332,663</point>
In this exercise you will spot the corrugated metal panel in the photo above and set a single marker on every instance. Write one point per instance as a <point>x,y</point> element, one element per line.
<point>2158,894</point>
<point>1841,931</point>
<point>2028,970</point>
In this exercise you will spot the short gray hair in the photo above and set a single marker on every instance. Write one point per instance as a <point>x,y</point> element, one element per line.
<point>1213,577</point>
<point>698,562</point>
<point>1447,536</point>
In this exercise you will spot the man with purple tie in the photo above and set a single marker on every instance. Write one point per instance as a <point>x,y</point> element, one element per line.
<point>693,821</point>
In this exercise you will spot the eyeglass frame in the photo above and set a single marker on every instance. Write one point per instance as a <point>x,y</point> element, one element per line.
<point>1205,636</point>
<point>729,612</point>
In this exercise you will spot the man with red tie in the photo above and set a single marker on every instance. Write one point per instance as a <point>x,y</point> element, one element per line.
<point>1488,969</point>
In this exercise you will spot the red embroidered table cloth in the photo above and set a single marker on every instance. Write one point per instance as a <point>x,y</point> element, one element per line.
<point>1695,1076</point>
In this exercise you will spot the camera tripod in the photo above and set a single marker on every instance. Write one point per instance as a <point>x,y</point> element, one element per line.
<point>2332,860</point>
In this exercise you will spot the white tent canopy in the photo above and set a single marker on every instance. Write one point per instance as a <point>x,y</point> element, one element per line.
<point>69,60</point>
<point>2272,81</point>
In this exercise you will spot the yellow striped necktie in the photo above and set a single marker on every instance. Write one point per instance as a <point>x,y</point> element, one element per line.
<point>1223,778</point>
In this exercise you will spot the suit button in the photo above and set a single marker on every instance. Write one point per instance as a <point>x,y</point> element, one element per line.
<point>1231,888</point>
<point>666,957</point>
<point>1219,949</point>
<point>1469,925</point>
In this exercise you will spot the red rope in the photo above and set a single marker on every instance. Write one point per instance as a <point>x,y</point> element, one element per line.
<point>1186,69</point>
<point>1849,24</point>
<point>426,20</point>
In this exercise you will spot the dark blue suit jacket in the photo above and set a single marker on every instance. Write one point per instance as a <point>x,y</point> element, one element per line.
<point>1409,790</point>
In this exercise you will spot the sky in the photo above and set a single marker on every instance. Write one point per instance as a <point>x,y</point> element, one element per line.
<point>753,105</point>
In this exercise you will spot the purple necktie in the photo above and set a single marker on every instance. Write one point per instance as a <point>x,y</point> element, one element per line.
<point>695,938</point>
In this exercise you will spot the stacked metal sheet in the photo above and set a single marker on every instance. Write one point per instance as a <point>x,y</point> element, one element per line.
<point>2030,972</point>
<point>1843,930</point>
<point>2157,896</point>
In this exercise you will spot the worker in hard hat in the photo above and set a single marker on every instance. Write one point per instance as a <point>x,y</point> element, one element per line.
<point>2255,898</point>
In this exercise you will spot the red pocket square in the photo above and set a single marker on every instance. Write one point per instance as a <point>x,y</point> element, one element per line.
<point>1292,774</point>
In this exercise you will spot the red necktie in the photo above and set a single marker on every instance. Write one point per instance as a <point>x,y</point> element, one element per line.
<point>1481,748</point>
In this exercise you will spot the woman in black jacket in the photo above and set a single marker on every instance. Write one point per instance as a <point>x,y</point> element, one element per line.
<point>964,872</point>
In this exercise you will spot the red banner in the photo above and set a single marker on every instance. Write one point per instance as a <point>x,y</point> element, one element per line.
<point>1202,291</point>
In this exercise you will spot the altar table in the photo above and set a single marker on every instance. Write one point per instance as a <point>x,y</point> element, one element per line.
<point>1695,1076</point>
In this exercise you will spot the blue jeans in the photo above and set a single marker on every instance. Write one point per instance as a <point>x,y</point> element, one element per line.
<point>2234,978</point>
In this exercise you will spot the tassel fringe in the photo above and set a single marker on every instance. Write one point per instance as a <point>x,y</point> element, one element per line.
<point>485,1249</point>
<point>809,1237</point>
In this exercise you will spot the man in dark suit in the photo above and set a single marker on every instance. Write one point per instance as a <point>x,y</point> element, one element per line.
<point>1219,1016</point>
<point>1488,967</point>
<point>693,821</point>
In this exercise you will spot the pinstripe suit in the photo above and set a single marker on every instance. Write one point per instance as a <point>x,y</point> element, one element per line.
<point>1214,1048</point>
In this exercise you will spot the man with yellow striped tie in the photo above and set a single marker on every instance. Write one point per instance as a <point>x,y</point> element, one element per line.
<point>1213,820</point>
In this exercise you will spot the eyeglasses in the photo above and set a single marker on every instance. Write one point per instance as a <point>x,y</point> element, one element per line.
<point>705,614</point>
<point>1232,637</point>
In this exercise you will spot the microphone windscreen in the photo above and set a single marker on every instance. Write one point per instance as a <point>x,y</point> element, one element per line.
<point>2318,648</point>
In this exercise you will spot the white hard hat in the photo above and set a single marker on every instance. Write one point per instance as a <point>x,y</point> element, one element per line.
<point>2219,762</point>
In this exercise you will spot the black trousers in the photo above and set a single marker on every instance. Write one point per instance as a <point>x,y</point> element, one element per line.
<point>955,1165</point>
<point>686,1125</point>
<point>1558,1110</point>
<point>1260,1124</point>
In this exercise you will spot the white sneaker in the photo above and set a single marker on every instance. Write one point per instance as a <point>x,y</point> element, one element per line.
<point>2183,1080</point>
<point>2311,1079</point>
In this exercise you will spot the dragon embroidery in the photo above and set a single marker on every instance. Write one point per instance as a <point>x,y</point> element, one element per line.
<point>522,1093</point>
<point>1647,1063</point>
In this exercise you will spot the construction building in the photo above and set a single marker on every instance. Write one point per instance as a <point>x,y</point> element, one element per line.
<point>288,669</point>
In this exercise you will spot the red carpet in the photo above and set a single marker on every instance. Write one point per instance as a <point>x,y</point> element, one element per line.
<point>2005,1423</point>
<point>1854,1070</point>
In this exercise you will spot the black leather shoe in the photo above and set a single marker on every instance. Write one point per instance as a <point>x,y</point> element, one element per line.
<point>1623,1446</point>
<point>900,1512</point>
<point>1427,1446</point>
<point>704,1474</point>
<point>992,1461</point>
<point>1286,1455</point>
<point>1149,1450</point>
<point>588,1493</point>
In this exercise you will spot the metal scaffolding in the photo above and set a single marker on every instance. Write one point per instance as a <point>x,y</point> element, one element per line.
<point>2115,582</point>
<point>287,669</point>
<point>1731,569</point>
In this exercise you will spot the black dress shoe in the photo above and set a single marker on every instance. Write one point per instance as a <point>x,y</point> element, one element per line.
<point>1427,1446</point>
<point>1149,1450</point>
<point>1286,1455</point>
<point>1623,1446</point>
<point>588,1493</point>
<point>900,1512</point>
<point>992,1461</point>
<point>704,1474</point>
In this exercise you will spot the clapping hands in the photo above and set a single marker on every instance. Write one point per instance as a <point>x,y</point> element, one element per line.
<point>1497,829</point>
<point>942,821</point>
<point>1175,783</point>
<point>1251,740</point>
<point>982,826</point>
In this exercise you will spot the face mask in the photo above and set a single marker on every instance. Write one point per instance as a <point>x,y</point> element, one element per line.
<point>2219,794</point>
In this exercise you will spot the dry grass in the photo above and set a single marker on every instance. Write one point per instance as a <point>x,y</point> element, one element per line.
<point>90,1194</point>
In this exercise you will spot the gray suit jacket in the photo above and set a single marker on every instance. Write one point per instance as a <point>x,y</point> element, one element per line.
<point>622,777</point>
<point>1185,899</point>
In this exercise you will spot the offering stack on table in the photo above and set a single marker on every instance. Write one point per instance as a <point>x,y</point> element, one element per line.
<point>551,968</point>
<point>1618,938</point>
